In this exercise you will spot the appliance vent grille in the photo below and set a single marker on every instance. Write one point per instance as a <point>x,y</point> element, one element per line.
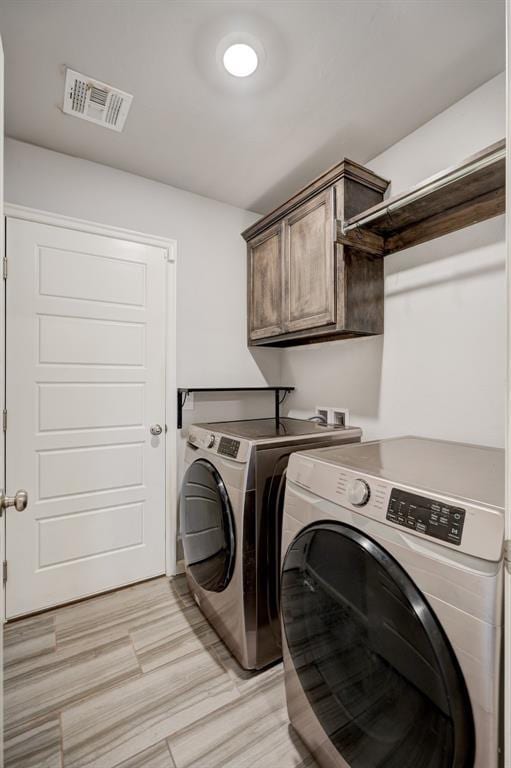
<point>94,101</point>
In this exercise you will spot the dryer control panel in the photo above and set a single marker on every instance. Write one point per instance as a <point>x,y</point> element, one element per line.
<point>433,518</point>
<point>228,447</point>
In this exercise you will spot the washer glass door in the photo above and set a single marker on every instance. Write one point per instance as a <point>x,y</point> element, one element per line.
<point>371,657</point>
<point>207,526</point>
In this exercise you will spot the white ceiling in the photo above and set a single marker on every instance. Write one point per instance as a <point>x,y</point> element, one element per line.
<point>339,78</point>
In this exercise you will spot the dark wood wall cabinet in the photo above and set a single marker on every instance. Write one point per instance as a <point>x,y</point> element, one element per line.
<point>315,263</point>
<point>304,285</point>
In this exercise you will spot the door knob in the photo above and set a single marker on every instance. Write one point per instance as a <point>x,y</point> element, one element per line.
<point>156,429</point>
<point>19,500</point>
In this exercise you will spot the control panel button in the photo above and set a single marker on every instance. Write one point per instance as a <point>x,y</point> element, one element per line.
<point>426,516</point>
<point>228,447</point>
<point>358,493</point>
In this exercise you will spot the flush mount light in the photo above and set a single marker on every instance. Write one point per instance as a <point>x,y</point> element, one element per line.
<point>240,60</point>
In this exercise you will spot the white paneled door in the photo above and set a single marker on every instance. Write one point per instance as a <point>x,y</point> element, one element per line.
<point>85,384</point>
<point>2,378</point>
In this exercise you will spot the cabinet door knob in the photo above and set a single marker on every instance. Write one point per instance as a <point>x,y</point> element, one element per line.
<point>156,429</point>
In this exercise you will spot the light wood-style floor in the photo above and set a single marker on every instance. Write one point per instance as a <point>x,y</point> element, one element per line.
<point>138,679</point>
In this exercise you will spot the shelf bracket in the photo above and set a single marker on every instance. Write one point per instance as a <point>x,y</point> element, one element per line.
<point>360,239</point>
<point>182,394</point>
<point>279,401</point>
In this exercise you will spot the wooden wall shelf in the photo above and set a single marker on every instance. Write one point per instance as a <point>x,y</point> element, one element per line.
<point>455,198</point>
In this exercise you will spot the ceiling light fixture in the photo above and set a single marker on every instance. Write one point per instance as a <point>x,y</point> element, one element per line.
<point>240,60</point>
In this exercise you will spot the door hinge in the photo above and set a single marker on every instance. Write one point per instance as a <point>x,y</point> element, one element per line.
<point>4,267</point>
<point>4,571</point>
<point>4,419</point>
<point>507,554</point>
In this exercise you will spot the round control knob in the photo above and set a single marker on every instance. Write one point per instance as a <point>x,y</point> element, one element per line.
<point>210,440</point>
<point>358,493</point>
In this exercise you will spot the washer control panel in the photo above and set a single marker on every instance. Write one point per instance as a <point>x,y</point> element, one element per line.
<point>228,447</point>
<point>433,518</point>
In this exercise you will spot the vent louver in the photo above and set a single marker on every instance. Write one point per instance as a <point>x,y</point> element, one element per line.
<point>94,101</point>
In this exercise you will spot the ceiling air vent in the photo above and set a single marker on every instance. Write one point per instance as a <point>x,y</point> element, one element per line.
<point>94,101</point>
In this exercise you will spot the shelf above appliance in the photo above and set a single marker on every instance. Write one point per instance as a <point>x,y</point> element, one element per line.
<point>183,392</point>
<point>465,194</point>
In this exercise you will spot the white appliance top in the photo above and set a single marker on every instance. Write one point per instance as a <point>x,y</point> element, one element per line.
<point>469,472</point>
<point>265,429</point>
<point>234,439</point>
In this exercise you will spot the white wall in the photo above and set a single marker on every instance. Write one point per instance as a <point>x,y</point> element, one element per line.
<point>211,272</point>
<point>439,369</point>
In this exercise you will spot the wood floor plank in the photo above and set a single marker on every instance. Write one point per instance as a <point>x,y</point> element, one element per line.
<point>154,757</point>
<point>27,639</point>
<point>182,590</point>
<point>110,617</point>
<point>245,680</point>
<point>34,746</point>
<point>250,732</point>
<point>168,638</point>
<point>121,722</point>
<point>56,680</point>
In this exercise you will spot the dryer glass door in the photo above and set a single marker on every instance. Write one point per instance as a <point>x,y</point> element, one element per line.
<point>371,657</point>
<point>207,526</point>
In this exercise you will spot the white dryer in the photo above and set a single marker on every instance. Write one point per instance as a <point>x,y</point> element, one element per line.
<point>392,603</point>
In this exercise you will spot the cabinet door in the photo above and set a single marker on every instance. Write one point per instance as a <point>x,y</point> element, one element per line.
<point>309,279</point>
<point>265,284</point>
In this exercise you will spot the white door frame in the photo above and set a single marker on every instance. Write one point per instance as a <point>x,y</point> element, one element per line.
<point>170,246</point>
<point>507,568</point>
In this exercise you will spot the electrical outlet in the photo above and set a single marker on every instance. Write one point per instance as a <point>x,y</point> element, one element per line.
<point>340,417</point>
<point>322,412</point>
